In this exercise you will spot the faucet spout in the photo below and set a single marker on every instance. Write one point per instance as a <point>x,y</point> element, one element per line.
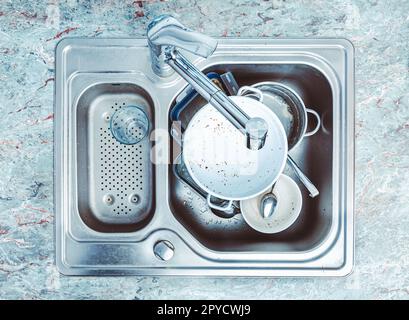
<point>165,34</point>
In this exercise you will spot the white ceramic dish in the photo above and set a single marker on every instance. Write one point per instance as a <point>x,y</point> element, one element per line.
<point>286,213</point>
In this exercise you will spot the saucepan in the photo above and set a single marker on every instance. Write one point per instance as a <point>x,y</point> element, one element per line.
<point>217,159</point>
<point>293,114</point>
<point>290,109</point>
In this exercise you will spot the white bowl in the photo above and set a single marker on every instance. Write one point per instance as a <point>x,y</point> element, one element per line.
<point>286,213</point>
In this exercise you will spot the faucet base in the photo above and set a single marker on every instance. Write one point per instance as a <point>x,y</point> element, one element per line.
<point>159,65</point>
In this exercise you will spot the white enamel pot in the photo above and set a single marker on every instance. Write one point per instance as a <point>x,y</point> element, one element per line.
<point>216,157</point>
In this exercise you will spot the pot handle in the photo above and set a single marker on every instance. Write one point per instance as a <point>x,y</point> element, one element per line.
<point>212,205</point>
<point>244,89</point>
<point>317,116</point>
<point>176,133</point>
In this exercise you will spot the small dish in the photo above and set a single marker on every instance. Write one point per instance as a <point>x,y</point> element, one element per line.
<point>286,213</point>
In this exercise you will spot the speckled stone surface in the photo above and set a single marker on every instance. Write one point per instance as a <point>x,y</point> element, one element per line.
<point>29,32</point>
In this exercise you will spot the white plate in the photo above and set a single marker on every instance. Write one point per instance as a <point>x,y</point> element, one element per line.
<point>286,213</point>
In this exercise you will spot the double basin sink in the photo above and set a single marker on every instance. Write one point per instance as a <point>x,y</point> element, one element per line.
<point>120,209</point>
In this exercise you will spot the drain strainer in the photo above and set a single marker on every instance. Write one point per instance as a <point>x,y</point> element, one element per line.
<point>123,173</point>
<point>129,125</point>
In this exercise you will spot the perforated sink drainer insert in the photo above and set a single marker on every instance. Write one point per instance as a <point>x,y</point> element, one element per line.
<point>122,193</point>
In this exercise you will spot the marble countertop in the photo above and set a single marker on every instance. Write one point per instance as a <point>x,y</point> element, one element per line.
<point>29,31</point>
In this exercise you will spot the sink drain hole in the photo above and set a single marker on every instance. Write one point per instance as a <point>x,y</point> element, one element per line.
<point>108,199</point>
<point>134,198</point>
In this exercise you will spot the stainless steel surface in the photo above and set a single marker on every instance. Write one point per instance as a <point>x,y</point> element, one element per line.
<point>320,243</point>
<point>268,204</point>
<point>312,189</point>
<point>165,36</point>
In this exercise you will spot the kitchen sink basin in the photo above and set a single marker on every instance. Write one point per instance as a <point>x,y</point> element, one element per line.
<point>120,209</point>
<point>115,181</point>
<point>314,154</point>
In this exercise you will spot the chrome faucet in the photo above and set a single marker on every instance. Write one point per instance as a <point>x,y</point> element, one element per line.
<point>166,34</point>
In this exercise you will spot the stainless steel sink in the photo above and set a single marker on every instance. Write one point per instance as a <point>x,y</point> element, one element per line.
<point>118,212</point>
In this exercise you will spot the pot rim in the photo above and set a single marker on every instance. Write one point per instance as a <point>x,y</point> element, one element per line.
<point>298,101</point>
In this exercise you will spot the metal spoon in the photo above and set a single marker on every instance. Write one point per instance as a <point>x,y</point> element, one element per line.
<point>268,204</point>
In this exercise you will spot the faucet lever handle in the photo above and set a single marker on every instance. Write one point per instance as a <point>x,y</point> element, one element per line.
<point>165,30</point>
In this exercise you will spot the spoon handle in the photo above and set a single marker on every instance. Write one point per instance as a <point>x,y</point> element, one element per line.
<point>303,178</point>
